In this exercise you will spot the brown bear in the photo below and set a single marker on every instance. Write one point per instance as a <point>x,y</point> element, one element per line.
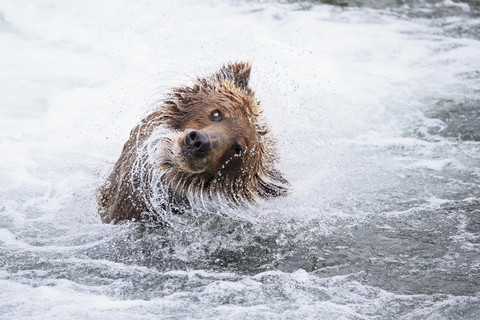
<point>204,142</point>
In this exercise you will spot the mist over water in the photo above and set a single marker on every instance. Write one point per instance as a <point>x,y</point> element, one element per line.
<point>376,109</point>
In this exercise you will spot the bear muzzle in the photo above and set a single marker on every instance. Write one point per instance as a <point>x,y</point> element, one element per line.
<point>206,150</point>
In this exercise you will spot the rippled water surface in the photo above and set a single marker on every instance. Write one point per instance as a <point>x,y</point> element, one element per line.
<point>376,107</point>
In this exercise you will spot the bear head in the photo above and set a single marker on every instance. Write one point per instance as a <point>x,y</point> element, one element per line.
<point>223,146</point>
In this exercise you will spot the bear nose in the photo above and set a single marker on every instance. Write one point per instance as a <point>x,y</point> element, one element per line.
<point>197,142</point>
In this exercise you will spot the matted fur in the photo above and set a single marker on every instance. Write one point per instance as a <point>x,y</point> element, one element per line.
<point>152,176</point>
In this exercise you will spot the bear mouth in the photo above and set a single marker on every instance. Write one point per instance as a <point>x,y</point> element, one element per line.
<point>194,163</point>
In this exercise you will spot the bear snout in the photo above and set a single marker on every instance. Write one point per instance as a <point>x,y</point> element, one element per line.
<point>197,143</point>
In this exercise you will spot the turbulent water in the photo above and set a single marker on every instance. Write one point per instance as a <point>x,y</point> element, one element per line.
<point>376,108</point>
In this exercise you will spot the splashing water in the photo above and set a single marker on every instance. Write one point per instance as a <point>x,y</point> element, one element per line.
<point>375,106</point>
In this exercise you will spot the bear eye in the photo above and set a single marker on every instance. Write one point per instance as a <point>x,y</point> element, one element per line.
<point>216,115</point>
<point>237,149</point>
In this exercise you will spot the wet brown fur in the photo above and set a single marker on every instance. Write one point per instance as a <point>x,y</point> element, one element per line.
<point>137,176</point>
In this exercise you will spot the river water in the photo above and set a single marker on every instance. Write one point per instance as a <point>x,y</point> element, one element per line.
<point>376,108</point>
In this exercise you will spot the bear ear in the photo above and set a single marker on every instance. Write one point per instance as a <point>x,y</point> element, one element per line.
<point>238,73</point>
<point>184,97</point>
